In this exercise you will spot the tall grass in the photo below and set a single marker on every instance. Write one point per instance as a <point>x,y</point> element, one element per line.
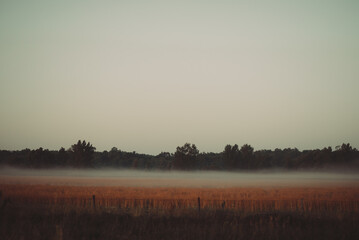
<point>67,212</point>
<point>311,200</point>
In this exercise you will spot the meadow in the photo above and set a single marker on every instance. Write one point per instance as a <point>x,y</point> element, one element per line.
<point>50,208</point>
<point>248,199</point>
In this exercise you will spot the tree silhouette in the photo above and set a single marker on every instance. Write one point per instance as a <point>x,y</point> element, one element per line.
<point>232,157</point>
<point>185,157</point>
<point>247,155</point>
<point>346,148</point>
<point>82,153</point>
<point>62,157</point>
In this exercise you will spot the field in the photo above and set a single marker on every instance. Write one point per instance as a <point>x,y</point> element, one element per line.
<point>45,209</point>
<point>250,199</point>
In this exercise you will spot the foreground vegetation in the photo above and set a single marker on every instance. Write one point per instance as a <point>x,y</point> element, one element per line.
<point>31,223</point>
<point>61,212</point>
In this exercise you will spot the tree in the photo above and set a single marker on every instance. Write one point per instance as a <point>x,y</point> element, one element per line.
<point>346,148</point>
<point>232,157</point>
<point>62,157</point>
<point>345,153</point>
<point>185,157</point>
<point>247,155</point>
<point>82,153</point>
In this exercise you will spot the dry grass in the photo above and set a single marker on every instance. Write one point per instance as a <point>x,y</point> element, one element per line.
<point>67,212</point>
<point>250,199</point>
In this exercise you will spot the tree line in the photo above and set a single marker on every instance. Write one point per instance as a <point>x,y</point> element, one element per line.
<point>187,157</point>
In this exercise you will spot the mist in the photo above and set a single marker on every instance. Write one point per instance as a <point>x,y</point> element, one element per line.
<point>134,178</point>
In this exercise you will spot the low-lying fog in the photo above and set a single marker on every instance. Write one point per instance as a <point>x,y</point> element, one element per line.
<point>114,177</point>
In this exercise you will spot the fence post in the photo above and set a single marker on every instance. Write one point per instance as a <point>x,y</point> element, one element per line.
<point>94,201</point>
<point>199,205</point>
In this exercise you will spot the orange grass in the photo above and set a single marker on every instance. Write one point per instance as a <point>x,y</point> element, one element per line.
<point>247,199</point>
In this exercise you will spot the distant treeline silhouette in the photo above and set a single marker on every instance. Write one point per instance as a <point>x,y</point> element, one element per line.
<point>186,157</point>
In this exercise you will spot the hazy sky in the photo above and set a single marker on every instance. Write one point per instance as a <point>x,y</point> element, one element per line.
<point>152,75</point>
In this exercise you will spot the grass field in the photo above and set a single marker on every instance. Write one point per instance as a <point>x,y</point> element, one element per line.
<point>247,199</point>
<point>71,212</point>
<point>137,205</point>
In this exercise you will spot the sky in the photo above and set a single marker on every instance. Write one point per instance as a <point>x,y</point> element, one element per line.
<point>149,76</point>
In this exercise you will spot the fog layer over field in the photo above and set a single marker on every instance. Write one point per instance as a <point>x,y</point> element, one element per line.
<point>113,177</point>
